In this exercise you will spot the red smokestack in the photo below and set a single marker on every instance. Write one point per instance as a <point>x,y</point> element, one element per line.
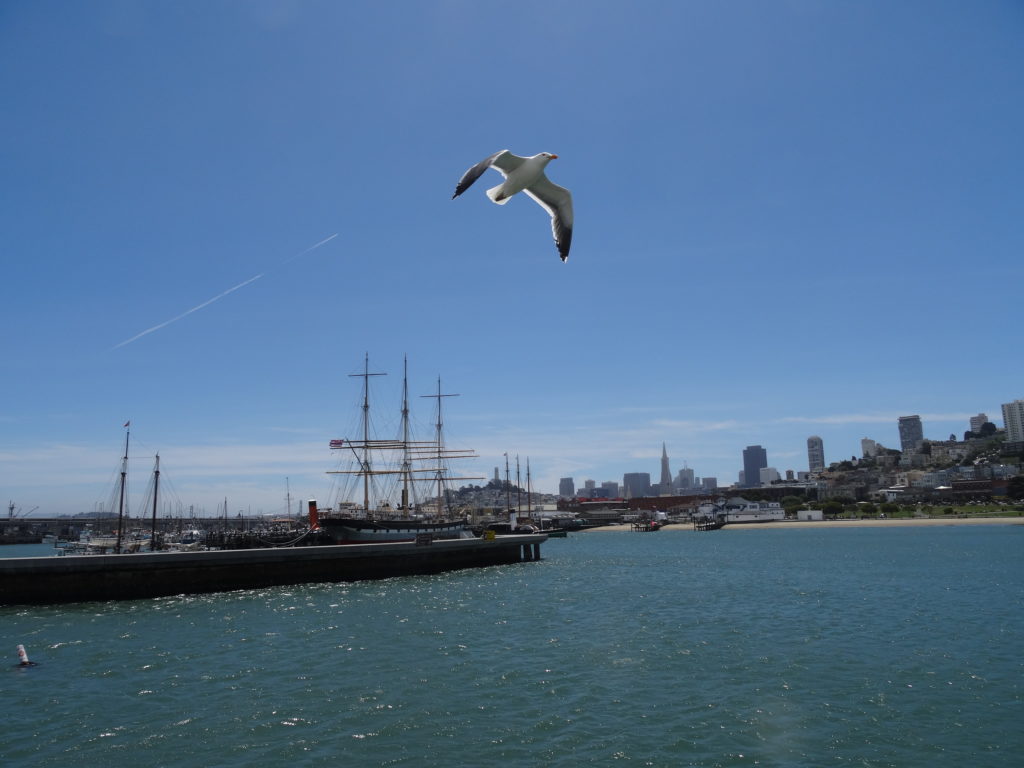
<point>314,518</point>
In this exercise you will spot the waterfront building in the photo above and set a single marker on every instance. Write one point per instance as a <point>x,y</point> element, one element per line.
<point>977,421</point>
<point>739,510</point>
<point>815,454</point>
<point>566,488</point>
<point>636,484</point>
<point>1013,421</point>
<point>755,458</point>
<point>911,433</point>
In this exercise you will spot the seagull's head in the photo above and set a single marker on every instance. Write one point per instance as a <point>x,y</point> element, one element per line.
<point>549,156</point>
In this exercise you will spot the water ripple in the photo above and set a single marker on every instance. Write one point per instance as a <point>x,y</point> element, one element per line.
<point>803,648</point>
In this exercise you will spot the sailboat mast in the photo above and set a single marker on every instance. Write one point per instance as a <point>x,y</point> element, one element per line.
<point>529,493</point>
<point>365,375</point>
<point>439,446</point>
<point>124,476</point>
<point>366,434</point>
<point>406,458</point>
<point>156,489</point>
<point>508,489</point>
<point>519,489</point>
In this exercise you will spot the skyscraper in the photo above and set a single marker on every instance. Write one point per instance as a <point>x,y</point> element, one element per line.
<point>566,488</point>
<point>815,454</point>
<point>755,458</point>
<point>636,484</point>
<point>666,475</point>
<point>911,433</point>
<point>1013,420</point>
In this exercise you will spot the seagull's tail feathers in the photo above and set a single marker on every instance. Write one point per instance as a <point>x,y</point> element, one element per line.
<point>497,195</point>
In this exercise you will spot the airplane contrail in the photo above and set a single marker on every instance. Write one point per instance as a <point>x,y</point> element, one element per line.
<point>206,303</point>
<point>311,248</point>
<point>219,296</point>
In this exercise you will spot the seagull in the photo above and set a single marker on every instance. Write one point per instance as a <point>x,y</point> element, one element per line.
<point>526,174</point>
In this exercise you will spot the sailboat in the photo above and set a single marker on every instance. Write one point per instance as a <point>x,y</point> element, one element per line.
<point>375,462</point>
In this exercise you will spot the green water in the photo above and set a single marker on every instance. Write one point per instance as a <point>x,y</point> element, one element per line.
<point>809,647</point>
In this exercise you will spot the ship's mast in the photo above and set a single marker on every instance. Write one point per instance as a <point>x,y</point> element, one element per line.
<point>409,451</point>
<point>156,489</point>
<point>519,489</point>
<point>124,477</point>
<point>406,457</point>
<point>508,490</point>
<point>439,446</point>
<point>529,493</point>
<point>365,375</point>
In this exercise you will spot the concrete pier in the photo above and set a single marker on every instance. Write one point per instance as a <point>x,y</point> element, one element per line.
<point>35,580</point>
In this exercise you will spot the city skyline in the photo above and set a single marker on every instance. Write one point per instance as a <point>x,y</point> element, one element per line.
<point>218,211</point>
<point>816,461</point>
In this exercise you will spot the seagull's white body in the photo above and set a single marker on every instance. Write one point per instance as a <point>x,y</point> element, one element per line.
<point>526,174</point>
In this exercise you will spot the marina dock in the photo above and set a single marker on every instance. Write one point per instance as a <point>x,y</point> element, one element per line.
<point>37,580</point>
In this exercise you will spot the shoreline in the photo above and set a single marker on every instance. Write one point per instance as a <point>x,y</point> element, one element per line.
<point>908,522</point>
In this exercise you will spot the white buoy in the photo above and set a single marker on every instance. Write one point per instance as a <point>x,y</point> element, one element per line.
<point>23,657</point>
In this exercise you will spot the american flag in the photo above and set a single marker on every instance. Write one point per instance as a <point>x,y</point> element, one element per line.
<point>337,443</point>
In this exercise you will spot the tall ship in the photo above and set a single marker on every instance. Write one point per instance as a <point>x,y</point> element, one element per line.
<point>390,476</point>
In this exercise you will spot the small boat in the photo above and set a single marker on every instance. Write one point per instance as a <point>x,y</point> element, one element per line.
<point>647,526</point>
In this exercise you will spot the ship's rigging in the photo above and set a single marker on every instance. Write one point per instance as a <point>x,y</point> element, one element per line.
<point>391,469</point>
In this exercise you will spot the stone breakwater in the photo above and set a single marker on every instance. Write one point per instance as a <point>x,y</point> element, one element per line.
<point>159,574</point>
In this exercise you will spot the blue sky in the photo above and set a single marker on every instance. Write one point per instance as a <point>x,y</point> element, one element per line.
<point>792,218</point>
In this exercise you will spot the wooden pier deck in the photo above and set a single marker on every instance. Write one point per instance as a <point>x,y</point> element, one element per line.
<point>707,524</point>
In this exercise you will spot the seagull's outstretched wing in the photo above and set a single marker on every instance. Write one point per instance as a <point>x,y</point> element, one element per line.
<point>557,201</point>
<point>503,161</point>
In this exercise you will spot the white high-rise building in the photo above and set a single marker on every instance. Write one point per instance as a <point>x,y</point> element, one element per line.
<point>1013,420</point>
<point>977,421</point>
<point>768,475</point>
<point>868,448</point>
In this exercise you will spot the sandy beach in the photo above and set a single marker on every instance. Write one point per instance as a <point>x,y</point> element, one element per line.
<point>837,524</point>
